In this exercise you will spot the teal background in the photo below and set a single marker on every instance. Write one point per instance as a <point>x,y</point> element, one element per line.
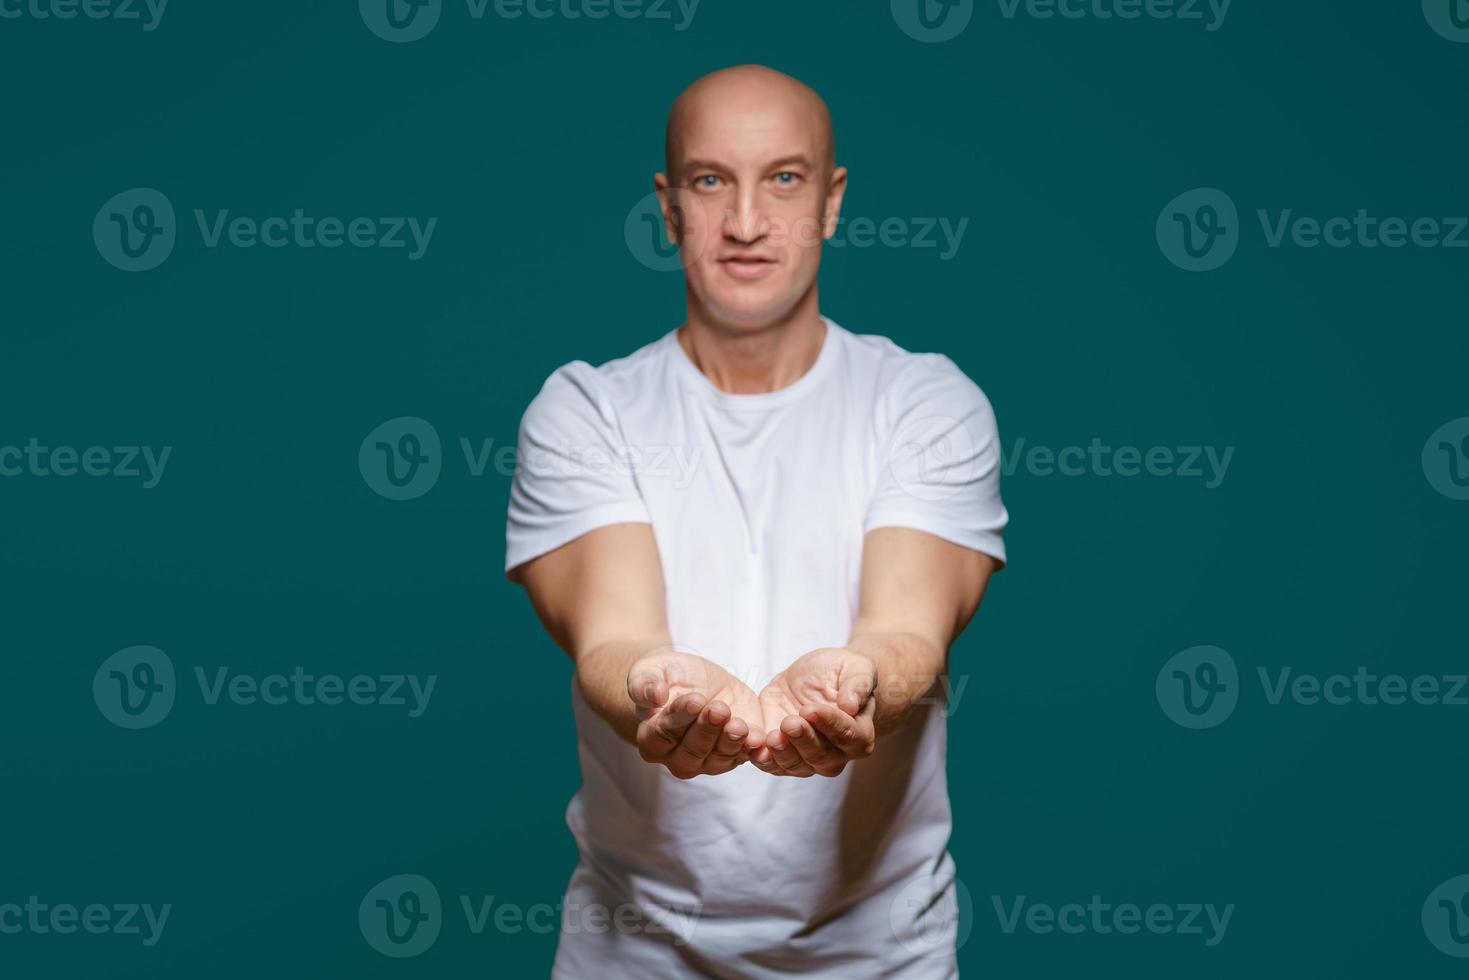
<point>263,548</point>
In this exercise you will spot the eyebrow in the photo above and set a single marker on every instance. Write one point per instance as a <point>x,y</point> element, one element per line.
<point>798,159</point>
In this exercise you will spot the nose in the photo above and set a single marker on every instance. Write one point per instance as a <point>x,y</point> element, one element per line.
<point>745,223</point>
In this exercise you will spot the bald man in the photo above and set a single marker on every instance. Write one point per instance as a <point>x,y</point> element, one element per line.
<point>761,632</point>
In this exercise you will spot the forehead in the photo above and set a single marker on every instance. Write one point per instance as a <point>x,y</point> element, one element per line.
<point>749,125</point>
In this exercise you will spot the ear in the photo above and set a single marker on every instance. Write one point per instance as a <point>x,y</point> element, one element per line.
<point>836,189</point>
<point>672,225</point>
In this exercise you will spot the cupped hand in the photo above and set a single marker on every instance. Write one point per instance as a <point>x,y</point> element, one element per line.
<point>694,717</point>
<point>818,715</point>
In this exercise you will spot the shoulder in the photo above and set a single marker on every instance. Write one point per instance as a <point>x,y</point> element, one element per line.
<point>904,380</point>
<point>578,389</point>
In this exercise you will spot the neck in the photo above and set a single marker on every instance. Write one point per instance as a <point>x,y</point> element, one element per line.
<point>743,360</point>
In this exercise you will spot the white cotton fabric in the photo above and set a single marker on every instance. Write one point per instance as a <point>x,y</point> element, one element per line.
<point>759,504</point>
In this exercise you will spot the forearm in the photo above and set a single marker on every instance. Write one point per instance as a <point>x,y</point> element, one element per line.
<point>910,669</point>
<point>601,676</point>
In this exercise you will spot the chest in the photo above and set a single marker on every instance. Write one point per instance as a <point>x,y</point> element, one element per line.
<point>801,472</point>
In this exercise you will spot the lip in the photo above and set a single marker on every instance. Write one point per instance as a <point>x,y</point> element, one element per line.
<point>747,267</point>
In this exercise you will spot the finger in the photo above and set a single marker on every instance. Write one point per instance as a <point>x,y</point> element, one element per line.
<point>754,741</point>
<point>666,730</point>
<point>719,765</point>
<point>814,750</point>
<point>853,737</point>
<point>648,689</point>
<point>786,757</point>
<point>732,742</point>
<point>765,762</point>
<point>856,686</point>
<point>698,741</point>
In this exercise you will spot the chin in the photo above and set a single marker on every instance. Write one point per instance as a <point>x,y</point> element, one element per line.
<point>750,311</point>
<point>752,304</point>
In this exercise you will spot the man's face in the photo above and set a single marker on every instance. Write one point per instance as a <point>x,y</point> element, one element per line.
<point>753,199</point>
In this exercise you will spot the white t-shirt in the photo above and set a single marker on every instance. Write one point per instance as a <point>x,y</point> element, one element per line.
<point>759,504</point>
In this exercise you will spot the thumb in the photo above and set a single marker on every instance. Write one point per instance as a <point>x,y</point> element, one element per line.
<point>858,681</point>
<point>647,686</point>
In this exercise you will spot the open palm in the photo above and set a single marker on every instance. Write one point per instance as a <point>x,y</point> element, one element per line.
<point>694,717</point>
<point>817,714</point>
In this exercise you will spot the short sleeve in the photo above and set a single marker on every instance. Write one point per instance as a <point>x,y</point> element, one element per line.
<point>939,458</point>
<point>572,474</point>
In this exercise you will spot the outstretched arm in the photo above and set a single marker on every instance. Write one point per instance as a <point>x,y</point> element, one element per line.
<point>917,594</point>
<point>601,597</point>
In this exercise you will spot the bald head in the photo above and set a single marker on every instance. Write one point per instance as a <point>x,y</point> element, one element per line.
<point>747,101</point>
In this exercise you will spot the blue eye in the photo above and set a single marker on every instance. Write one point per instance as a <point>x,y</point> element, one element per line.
<point>708,180</point>
<point>786,177</point>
